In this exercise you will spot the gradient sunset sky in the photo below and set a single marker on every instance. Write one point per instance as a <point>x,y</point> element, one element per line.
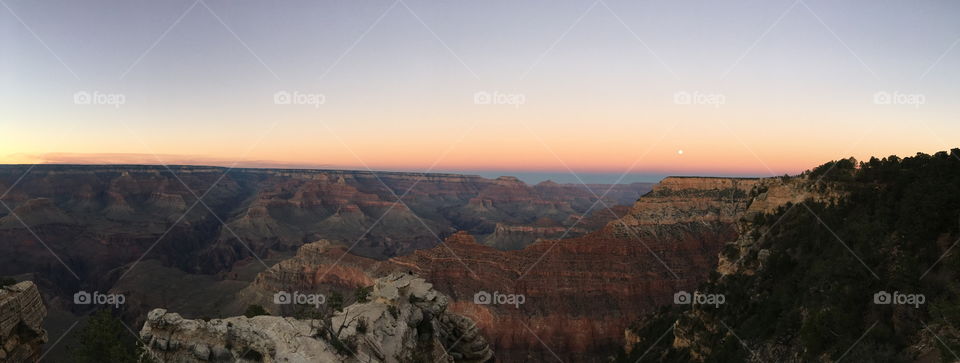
<point>603,84</point>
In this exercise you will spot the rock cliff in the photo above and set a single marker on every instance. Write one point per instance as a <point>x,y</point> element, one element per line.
<point>770,196</point>
<point>578,293</point>
<point>21,323</point>
<point>405,320</point>
<point>515,237</point>
<point>846,262</point>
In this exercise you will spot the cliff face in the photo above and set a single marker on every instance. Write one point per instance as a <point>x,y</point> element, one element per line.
<point>861,271</point>
<point>515,237</point>
<point>21,318</point>
<point>770,195</point>
<point>100,218</point>
<point>405,320</point>
<point>578,293</point>
<point>681,200</point>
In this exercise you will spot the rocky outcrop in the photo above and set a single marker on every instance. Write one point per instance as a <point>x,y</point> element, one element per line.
<point>405,320</point>
<point>515,237</point>
<point>578,293</point>
<point>506,237</point>
<point>743,255</point>
<point>322,267</point>
<point>682,200</point>
<point>770,195</point>
<point>846,262</point>
<point>21,323</point>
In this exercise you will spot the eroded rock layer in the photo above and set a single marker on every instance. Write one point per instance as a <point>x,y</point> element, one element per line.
<point>100,219</point>
<point>578,294</point>
<point>21,323</point>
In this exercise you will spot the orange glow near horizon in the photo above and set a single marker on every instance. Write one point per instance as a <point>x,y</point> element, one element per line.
<point>526,142</point>
<point>402,96</point>
<point>661,159</point>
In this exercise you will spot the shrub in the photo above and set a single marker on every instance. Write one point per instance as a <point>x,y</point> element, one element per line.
<point>255,310</point>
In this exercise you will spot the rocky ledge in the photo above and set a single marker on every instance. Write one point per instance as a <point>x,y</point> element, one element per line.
<point>21,318</point>
<point>404,320</point>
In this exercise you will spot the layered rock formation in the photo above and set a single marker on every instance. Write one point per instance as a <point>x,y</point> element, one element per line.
<point>405,320</point>
<point>846,262</point>
<point>770,195</point>
<point>515,237</point>
<point>579,293</point>
<point>97,218</point>
<point>21,317</point>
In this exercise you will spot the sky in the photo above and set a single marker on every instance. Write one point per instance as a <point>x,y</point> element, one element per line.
<point>599,91</point>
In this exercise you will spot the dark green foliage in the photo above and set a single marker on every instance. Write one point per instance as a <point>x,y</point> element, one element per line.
<point>838,170</point>
<point>655,337</point>
<point>346,346</point>
<point>105,339</point>
<point>6,281</point>
<point>255,310</point>
<point>336,301</point>
<point>362,294</point>
<point>815,290</point>
<point>362,325</point>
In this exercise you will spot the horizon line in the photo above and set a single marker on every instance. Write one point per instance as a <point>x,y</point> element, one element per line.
<point>463,173</point>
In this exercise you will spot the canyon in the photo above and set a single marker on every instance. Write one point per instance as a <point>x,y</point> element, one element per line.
<point>190,237</point>
<point>98,219</point>
<point>579,293</point>
<point>498,238</point>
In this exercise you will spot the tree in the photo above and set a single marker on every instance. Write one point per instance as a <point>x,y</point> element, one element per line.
<point>362,294</point>
<point>6,281</point>
<point>105,339</point>
<point>255,310</point>
<point>336,301</point>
